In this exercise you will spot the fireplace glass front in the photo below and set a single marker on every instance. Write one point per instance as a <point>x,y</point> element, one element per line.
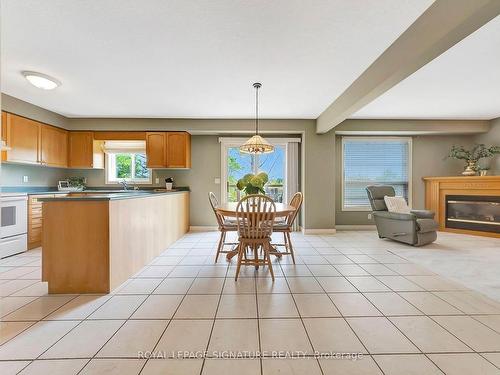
<point>481,213</point>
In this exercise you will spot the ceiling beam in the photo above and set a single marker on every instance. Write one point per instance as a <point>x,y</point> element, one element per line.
<point>440,27</point>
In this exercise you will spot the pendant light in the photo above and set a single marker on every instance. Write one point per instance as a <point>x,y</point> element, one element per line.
<point>256,144</point>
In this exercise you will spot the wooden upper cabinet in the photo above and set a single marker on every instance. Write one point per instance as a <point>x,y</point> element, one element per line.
<point>23,138</point>
<point>155,149</point>
<point>53,146</point>
<point>178,150</point>
<point>81,153</point>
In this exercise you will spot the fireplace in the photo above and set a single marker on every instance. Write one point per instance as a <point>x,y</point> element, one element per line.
<point>471,212</point>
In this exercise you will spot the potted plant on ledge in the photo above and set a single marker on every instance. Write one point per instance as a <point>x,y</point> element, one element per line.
<point>472,156</point>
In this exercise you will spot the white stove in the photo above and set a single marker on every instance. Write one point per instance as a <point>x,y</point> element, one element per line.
<point>14,223</point>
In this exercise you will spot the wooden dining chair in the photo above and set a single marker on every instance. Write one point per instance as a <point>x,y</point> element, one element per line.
<point>255,216</point>
<point>225,225</point>
<point>286,226</point>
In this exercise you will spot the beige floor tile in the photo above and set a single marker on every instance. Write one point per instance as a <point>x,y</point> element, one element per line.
<point>276,306</point>
<point>312,259</point>
<point>9,330</point>
<point>156,271</point>
<point>472,332</point>
<point>380,336</point>
<point>10,304</point>
<point>35,340</point>
<point>206,285</point>
<point>242,286</point>
<point>378,270</point>
<point>237,306</point>
<point>234,336</point>
<point>354,304</point>
<point>167,260</point>
<point>133,338</point>
<point>470,302</point>
<point>139,286</point>
<point>193,260</point>
<point>332,335</point>
<point>338,259</point>
<point>113,367</point>
<point>315,305</point>
<point>55,367</point>
<point>85,340</point>
<point>429,336</point>
<point>35,290</point>
<point>336,284</point>
<point>13,286</point>
<point>400,284</point>
<point>14,272</point>
<point>79,308</point>
<point>464,364</point>
<point>323,270</point>
<point>38,309</point>
<point>411,364</point>
<point>12,367</point>
<point>351,270</point>
<point>174,286</point>
<point>367,284</point>
<point>158,307</point>
<point>307,366</point>
<point>172,367</point>
<point>197,307</point>
<point>118,307</point>
<point>391,303</point>
<point>185,335</point>
<point>304,285</point>
<point>362,259</point>
<point>435,283</point>
<point>284,335</point>
<point>409,269</point>
<point>295,270</point>
<point>429,304</point>
<point>231,367</point>
<point>492,321</point>
<point>493,358</point>
<point>279,285</point>
<point>185,271</point>
<point>363,366</point>
<point>213,271</point>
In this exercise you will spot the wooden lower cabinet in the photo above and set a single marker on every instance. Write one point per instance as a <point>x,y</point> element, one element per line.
<point>35,219</point>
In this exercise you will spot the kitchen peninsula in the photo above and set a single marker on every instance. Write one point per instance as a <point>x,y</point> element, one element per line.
<point>93,242</point>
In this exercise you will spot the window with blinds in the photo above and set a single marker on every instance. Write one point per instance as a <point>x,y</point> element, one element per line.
<point>374,161</point>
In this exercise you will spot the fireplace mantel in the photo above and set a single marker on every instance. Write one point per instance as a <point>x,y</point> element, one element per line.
<point>437,188</point>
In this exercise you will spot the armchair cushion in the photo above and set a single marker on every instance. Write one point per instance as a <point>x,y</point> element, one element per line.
<point>426,225</point>
<point>394,215</point>
<point>423,214</point>
<point>396,204</point>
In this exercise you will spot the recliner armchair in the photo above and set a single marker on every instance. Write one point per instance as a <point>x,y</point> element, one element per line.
<point>416,228</point>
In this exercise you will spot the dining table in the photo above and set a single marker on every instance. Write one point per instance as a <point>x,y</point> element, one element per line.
<point>228,209</point>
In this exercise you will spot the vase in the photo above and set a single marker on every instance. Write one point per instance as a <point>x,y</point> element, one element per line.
<point>471,168</point>
<point>483,172</point>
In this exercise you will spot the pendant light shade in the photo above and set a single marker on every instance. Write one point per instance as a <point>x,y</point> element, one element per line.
<point>256,144</point>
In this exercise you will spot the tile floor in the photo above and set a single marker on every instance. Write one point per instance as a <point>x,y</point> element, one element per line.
<point>350,293</point>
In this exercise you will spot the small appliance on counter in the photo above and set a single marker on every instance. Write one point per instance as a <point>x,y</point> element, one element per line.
<point>14,224</point>
<point>169,183</point>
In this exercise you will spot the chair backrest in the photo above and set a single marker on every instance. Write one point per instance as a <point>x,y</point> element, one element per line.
<point>295,202</point>
<point>255,217</point>
<point>215,203</point>
<point>376,194</point>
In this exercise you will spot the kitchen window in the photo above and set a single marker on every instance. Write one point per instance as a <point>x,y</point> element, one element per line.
<point>374,161</point>
<point>126,161</point>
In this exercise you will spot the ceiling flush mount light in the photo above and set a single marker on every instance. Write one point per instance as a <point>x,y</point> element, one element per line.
<point>42,81</point>
<point>256,144</point>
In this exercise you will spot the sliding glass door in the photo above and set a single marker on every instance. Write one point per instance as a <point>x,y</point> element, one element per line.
<point>236,164</point>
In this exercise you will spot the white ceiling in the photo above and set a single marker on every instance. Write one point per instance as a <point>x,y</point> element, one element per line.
<point>195,58</point>
<point>462,83</point>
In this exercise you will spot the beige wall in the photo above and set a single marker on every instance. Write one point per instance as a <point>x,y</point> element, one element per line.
<point>491,138</point>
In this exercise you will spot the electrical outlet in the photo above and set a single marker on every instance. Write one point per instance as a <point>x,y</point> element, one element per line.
<point>26,178</point>
<point>369,216</point>
<point>217,180</point>
<point>157,180</point>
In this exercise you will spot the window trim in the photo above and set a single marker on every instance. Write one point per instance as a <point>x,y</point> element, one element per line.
<point>409,140</point>
<point>109,181</point>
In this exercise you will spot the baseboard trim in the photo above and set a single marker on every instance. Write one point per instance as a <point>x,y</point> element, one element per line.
<point>356,227</point>
<point>203,228</point>
<point>319,231</point>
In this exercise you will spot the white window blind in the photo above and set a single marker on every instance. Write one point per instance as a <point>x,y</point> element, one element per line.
<point>374,161</point>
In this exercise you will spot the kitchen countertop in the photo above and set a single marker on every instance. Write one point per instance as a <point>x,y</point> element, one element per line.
<point>107,195</point>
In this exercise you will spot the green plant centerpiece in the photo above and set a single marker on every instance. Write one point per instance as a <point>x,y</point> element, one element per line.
<point>253,184</point>
<point>77,182</point>
<point>472,156</point>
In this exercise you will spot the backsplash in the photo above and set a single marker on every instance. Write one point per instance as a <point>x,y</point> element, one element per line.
<point>12,175</point>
